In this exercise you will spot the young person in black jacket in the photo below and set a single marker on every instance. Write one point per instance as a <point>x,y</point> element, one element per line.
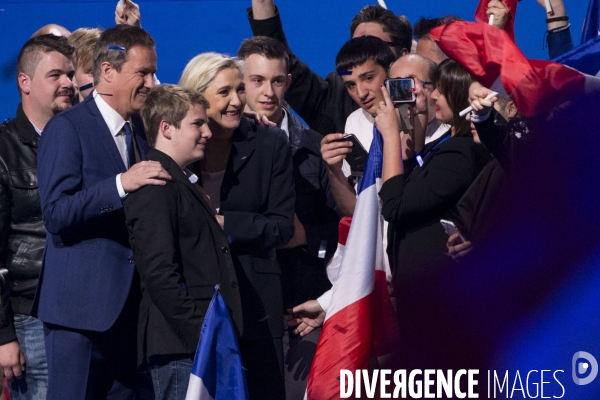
<point>304,258</point>
<point>180,250</point>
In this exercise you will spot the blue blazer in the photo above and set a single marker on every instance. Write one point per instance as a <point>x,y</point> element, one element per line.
<point>88,263</point>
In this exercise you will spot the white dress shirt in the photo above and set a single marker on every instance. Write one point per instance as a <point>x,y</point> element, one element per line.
<point>115,124</point>
<point>284,124</point>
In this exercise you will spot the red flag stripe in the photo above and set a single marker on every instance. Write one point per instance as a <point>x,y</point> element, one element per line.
<point>343,230</point>
<point>536,86</point>
<point>350,338</point>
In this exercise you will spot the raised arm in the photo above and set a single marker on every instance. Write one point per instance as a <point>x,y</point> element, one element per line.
<point>559,31</point>
<point>128,13</point>
<point>324,104</point>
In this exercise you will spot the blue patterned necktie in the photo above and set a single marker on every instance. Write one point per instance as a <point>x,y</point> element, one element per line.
<point>129,142</point>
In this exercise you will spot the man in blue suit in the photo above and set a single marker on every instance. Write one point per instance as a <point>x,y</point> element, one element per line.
<point>88,160</point>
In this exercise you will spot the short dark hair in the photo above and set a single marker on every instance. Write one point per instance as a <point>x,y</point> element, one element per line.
<point>423,26</point>
<point>171,103</point>
<point>113,46</point>
<point>359,50</point>
<point>265,46</point>
<point>398,27</point>
<point>453,81</point>
<point>31,52</point>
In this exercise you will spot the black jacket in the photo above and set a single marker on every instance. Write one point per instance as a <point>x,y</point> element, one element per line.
<point>323,103</point>
<point>304,273</point>
<point>22,232</point>
<point>257,202</point>
<point>415,202</point>
<point>181,253</point>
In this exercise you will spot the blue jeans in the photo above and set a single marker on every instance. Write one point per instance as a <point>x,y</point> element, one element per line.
<point>34,382</point>
<point>170,377</point>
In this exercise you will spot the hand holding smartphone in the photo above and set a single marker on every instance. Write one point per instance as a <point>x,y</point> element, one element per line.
<point>357,158</point>
<point>451,229</point>
<point>401,90</point>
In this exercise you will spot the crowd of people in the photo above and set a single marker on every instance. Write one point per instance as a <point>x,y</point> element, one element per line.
<point>123,202</point>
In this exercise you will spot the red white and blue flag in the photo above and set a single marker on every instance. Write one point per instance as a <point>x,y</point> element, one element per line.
<point>217,372</point>
<point>360,322</point>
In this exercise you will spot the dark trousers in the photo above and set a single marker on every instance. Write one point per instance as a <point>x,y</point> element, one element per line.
<point>263,364</point>
<point>299,352</point>
<point>93,365</point>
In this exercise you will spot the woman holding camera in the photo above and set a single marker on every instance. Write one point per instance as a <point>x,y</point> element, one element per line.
<point>416,198</point>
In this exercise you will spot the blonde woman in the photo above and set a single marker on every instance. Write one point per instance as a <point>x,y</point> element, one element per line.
<point>247,174</point>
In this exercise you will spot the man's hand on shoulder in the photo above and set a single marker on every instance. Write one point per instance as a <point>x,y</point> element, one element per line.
<point>142,174</point>
<point>12,360</point>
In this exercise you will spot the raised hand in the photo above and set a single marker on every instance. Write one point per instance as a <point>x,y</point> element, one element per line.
<point>478,98</point>
<point>500,11</point>
<point>127,13</point>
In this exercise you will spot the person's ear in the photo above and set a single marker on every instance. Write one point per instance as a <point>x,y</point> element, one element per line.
<point>107,72</point>
<point>24,82</point>
<point>164,129</point>
<point>288,80</point>
<point>512,110</point>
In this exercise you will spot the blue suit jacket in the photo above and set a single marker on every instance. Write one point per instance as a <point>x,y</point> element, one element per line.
<point>88,263</point>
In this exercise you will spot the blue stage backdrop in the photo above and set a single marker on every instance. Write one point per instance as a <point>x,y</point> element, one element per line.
<point>315,29</point>
<point>529,311</point>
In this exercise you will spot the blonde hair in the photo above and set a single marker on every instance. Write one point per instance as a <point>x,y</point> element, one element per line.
<point>202,69</point>
<point>84,40</point>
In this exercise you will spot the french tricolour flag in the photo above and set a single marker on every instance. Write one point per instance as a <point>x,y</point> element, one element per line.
<point>217,372</point>
<point>360,322</point>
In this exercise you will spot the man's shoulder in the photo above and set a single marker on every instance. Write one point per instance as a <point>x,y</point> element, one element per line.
<point>74,119</point>
<point>8,127</point>
<point>78,113</point>
<point>151,197</point>
<point>303,136</point>
<point>9,136</point>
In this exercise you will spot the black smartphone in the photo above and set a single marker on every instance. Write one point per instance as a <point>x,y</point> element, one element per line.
<point>401,90</point>
<point>357,158</point>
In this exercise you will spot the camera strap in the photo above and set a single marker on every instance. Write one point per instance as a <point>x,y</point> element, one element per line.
<point>421,157</point>
<point>406,121</point>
